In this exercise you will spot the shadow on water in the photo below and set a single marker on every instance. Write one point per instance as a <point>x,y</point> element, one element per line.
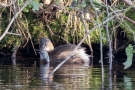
<point>29,73</point>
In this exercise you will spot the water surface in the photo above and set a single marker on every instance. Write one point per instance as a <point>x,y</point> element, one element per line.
<point>29,74</point>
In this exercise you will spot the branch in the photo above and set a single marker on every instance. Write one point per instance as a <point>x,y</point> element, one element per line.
<point>129,2</point>
<point>108,36</point>
<point>14,34</point>
<point>12,20</point>
<point>130,20</point>
<point>96,26</point>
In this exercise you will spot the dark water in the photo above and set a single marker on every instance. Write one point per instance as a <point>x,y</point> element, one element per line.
<point>29,74</point>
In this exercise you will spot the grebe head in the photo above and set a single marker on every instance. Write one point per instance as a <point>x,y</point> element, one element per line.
<point>46,44</point>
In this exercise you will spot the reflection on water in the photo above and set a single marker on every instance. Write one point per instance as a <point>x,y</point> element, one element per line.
<point>32,75</point>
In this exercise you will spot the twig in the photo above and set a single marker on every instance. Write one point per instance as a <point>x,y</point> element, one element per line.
<point>128,2</point>
<point>47,25</point>
<point>12,20</point>
<point>130,20</point>
<point>108,36</point>
<point>101,44</point>
<point>125,17</point>
<point>14,34</point>
<point>65,40</point>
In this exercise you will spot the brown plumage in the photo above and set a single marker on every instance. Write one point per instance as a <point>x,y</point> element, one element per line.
<point>59,53</point>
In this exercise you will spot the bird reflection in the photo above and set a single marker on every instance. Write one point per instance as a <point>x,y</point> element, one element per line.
<point>45,69</point>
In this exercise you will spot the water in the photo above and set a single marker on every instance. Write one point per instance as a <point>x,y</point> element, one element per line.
<point>29,74</point>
